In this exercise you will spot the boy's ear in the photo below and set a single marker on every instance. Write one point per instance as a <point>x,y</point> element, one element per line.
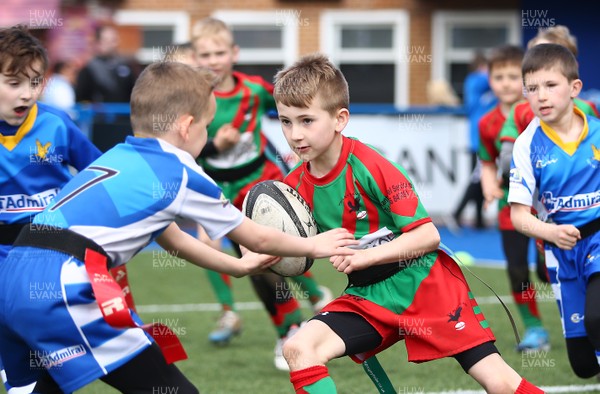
<point>183,126</point>
<point>236,53</point>
<point>342,118</point>
<point>576,86</point>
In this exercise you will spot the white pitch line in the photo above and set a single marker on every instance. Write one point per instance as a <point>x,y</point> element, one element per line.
<point>586,388</point>
<point>214,307</point>
<point>255,305</point>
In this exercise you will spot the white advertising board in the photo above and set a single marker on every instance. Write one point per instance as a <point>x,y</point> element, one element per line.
<point>432,147</point>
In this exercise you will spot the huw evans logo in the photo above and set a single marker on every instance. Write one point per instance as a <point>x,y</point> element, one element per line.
<point>578,202</point>
<point>60,356</point>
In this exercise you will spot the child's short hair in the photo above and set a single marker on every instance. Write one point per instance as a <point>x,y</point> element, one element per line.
<point>19,51</point>
<point>312,75</point>
<point>211,28</point>
<point>558,34</point>
<point>166,90</point>
<point>548,56</point>
<point>177,52</point>
<point>505,55</point>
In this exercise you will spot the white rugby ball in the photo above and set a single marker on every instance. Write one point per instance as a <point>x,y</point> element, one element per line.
<point>275,204</point>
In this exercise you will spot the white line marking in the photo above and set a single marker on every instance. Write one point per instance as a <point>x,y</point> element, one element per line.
<point>254,305</point>
<point>248,306</point>
<point>548,389</point>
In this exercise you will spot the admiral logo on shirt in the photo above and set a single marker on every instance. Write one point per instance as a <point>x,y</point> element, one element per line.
<point>578,202</point>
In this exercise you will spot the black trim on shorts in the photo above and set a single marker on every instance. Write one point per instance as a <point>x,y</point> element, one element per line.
<point>356,332</point>
<point>472,356</point>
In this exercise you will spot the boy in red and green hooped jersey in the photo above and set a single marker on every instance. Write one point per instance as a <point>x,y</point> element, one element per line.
<point>236,158</point>
<point>504,66</point>
<point>398,280</point>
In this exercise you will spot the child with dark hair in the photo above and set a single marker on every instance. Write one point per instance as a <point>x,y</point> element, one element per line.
<point>556,170</point>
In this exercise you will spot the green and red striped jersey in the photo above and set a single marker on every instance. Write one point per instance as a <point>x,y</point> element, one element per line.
<point>490,126</point>
<point>521,115</point>
<point>365,193</point>
<point>244,107</point>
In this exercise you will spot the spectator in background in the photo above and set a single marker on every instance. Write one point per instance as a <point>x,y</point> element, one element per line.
<point>59,91</point>
<point>107,78</point>
<point>478,99</point>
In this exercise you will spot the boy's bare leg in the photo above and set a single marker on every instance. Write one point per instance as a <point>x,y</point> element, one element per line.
<point>495,375</point>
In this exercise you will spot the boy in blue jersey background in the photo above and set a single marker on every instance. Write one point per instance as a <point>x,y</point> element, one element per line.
<point>555,169</point>
<point>106,214</point>
<point>38,143</point>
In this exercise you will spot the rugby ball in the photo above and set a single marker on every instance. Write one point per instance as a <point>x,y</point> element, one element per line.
<point>275,204</point>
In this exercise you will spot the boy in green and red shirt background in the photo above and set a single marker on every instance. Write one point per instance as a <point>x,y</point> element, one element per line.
<point>236,157</point>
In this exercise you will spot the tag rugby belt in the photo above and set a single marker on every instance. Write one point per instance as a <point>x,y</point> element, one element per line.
<point>10,232</point>
<point>232,174</point>
<point>109,295</point>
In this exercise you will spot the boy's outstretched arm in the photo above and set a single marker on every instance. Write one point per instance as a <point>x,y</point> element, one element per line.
<point>408,246</point>
<point>490,184</point>
<point>263,239</point>
<point>181,244</point>
<point>565,236</point>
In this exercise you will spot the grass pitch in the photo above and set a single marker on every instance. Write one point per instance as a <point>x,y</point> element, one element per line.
<point>246,365</point>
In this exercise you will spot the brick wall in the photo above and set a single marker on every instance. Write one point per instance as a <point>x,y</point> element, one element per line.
<point>420,12</point>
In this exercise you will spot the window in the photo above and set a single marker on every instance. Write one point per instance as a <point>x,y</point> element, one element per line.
<point>268,40</point>
<point>457,36</point>
<point>371,50</point>
<point>158,30</point>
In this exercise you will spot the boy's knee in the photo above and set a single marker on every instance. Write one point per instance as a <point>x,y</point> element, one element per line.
<point>293,349</point>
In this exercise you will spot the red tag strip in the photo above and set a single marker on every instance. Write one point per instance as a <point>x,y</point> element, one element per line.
<point>120,275</point>
<point>115,310</point>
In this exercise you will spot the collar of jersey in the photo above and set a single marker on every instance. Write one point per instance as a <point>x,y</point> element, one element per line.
<point>11,141</point>
<point>568,147</point>
<point>237,77</point>
<point>347,147</point>
<point>159,144</point>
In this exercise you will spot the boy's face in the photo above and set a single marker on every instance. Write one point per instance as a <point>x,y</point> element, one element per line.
<point>18,93</point>
<point>217,54</point>
<point>309,131</point>
<point>550,94</point>
<point>198,134</point>
<point>507,83</point>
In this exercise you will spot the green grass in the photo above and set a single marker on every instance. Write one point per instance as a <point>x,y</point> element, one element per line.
<point>246,365</point>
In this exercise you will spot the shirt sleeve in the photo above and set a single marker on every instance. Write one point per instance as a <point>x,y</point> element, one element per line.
<point>205,203</point>
<point>395,192</point>
<point>487,151</point>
